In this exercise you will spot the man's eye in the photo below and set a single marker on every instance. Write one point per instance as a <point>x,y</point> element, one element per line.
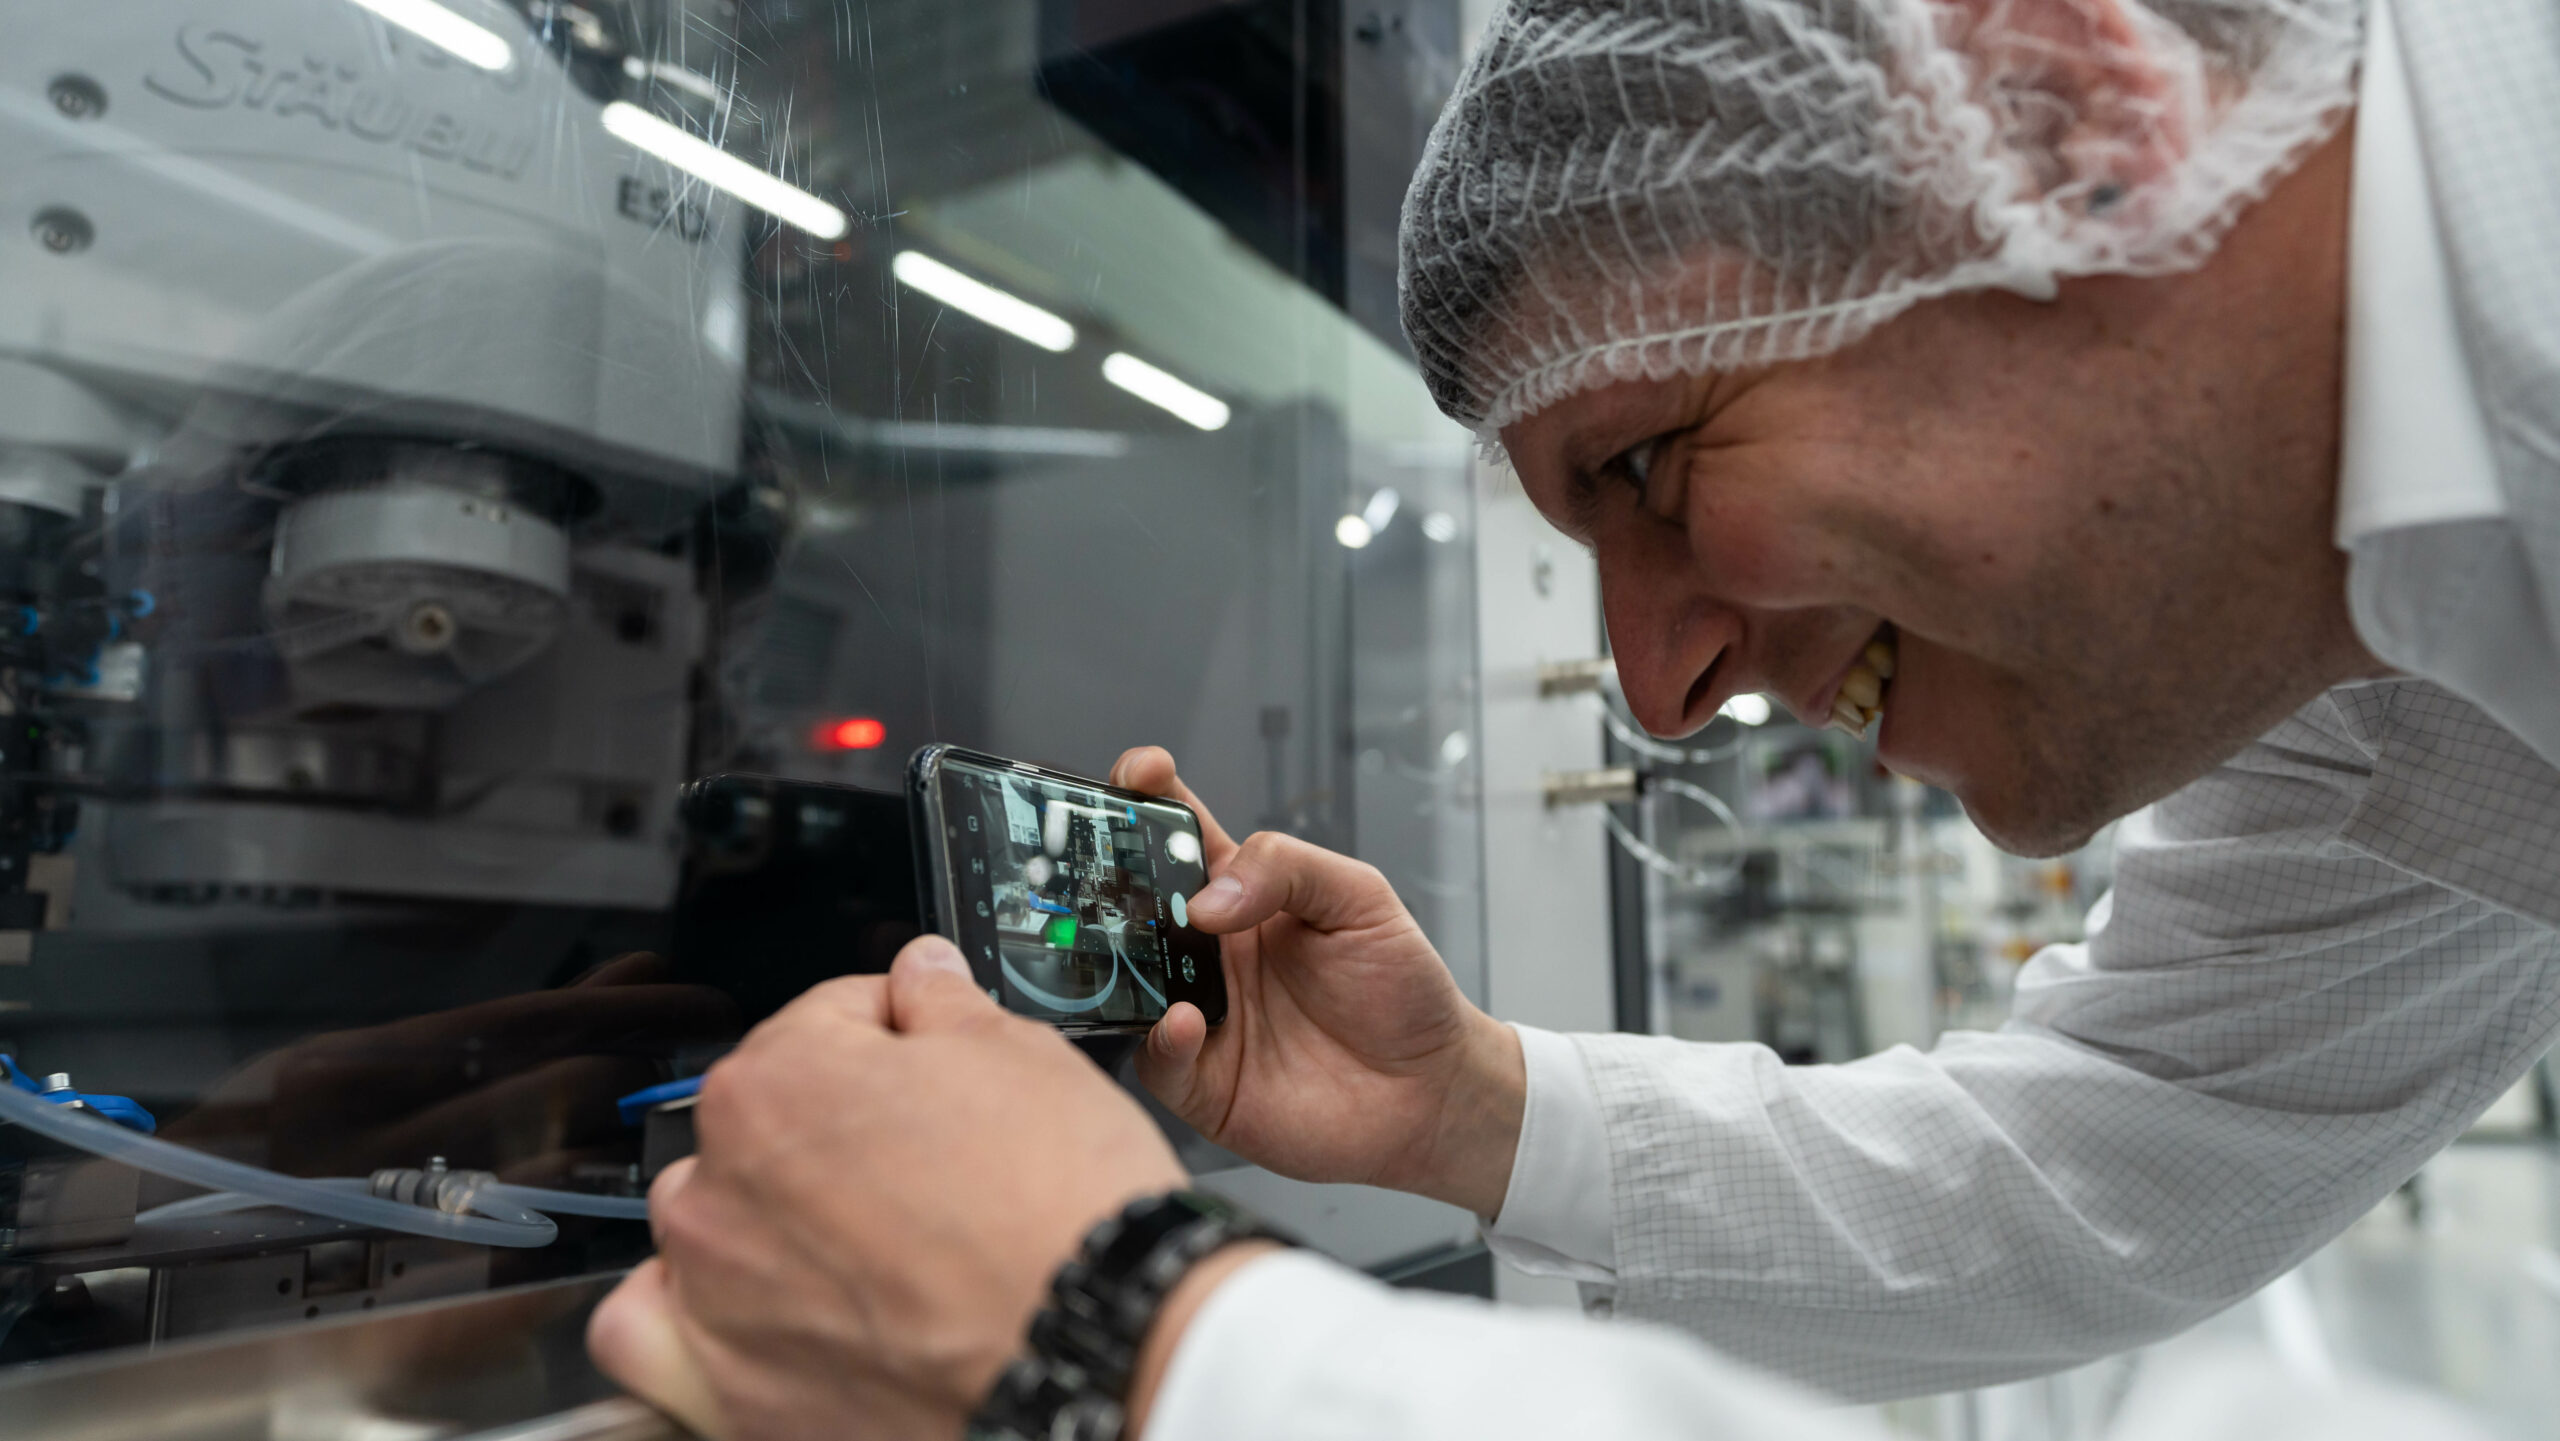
<point>1636,466</point>
<point>1636,462</point>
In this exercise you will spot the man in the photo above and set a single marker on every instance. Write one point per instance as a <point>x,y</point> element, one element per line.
<point>2066,380</point>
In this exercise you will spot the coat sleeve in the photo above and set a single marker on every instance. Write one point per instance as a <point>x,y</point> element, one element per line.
<point>2269,1029</point>
<point>1293,1348</point>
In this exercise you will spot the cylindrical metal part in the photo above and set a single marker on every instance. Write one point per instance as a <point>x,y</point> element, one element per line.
<point>1606,786</point>
<point>1575,677</point>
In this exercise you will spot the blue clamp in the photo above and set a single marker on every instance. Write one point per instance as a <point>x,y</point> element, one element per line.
<point>636,1107</point>
<point>122,1110</point>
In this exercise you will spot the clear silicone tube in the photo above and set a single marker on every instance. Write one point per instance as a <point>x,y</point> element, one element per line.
<point>568,1203</point>
<point>497,1222</point>
<point>531,1198</point>
<point>223,1203</point>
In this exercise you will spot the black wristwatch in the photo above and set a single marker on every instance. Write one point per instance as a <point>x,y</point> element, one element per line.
<point>1072,1382</point>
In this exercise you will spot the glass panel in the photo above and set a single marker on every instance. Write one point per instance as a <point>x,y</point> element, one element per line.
<point>433,432</point>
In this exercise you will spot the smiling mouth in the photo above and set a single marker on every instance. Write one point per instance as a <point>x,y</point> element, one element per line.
<point>1859,702</point>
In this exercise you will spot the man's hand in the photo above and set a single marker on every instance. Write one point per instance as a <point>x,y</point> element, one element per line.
<point>523,1085</point>
<point>890,1171</point>
<point>1348,1052</point>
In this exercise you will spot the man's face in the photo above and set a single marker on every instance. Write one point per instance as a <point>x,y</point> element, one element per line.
<point>2097,530</point>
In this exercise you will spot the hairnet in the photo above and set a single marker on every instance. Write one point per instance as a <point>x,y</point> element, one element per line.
<point>1648,188</point>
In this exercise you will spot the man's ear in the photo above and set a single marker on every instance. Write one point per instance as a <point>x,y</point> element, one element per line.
<point>2096,99</point>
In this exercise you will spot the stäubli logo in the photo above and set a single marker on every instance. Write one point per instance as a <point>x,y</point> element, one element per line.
<point>218,68</point>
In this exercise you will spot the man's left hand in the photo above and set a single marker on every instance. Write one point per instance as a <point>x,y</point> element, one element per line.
<point>889,1173</point>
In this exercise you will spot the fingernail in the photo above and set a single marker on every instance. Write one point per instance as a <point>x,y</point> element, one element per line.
<point>933,953</point>
<point>1223,894</point>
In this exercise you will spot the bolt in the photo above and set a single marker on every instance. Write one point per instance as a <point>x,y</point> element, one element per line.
<point>77,97</point>
<point>57,1083</point>
<point>428,629</point>
<point>63,231</point>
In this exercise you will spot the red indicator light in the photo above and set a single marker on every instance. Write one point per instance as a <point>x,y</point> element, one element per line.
<point>856,733</point>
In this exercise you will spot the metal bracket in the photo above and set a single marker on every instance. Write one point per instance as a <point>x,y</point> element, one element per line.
<point>1610,785</point>
<point>1574,677</point>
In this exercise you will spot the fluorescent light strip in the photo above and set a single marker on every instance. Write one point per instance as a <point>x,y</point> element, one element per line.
<point>717,167</point>
<point>1007,313</point>
<point>469,41</point>
<point>676,77</point>
<point>1000,439</point>
<point>1159,389</point>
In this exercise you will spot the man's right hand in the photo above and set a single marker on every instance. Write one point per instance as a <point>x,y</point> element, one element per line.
<point>1348,1052</point>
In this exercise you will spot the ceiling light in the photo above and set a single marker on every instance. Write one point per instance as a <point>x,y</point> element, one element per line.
<point>1441,526</point>
<point>1381,509</point>
<point>468,40</point>
<point>717,167</point>
<point>1007,313</point>
<point>1751,710</point>
<point>1353,532</point>
<point>1159,389</point>
<point>676,77</point>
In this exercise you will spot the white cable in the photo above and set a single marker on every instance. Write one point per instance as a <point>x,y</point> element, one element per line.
<point>1710,877</point>
<point>569,1203</point>
<point>495,1224</point>
<point>531,1198</point>
<point>1644,745</point>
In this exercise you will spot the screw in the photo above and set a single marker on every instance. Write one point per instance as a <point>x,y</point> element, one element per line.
<point>429,629</point>
<point>57,1083</point>
<point>64,231</point>
<point>77,97</point>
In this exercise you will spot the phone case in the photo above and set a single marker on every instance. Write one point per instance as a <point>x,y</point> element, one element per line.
<point>934,881</point>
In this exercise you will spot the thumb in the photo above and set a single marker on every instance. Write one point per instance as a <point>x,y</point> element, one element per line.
<point>1169,1063</point>
<point>1273,873</point>
<point>931,988</point>
<point>634,1338</point>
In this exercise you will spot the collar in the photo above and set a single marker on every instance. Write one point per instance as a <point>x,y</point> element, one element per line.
<point>2414,445</point>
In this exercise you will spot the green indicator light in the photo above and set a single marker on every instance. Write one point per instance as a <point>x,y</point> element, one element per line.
<point>1061,933</point>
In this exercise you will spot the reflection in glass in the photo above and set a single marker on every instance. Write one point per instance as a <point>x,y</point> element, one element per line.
<point>418,463</point>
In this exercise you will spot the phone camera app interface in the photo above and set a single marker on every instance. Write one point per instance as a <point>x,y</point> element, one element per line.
<point>1069,878</point>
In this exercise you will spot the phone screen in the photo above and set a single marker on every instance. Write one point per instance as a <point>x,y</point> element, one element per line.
<point>1071,901</point>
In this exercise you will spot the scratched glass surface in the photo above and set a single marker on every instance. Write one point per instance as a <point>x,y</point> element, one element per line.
<point>433,433</point>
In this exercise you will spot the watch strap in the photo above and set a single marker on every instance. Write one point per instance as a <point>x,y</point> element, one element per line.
<point>1072,1381</point>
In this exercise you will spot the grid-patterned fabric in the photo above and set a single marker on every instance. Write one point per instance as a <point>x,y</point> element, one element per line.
<point>2484,79</point>
<point>2317,966</point>
<point>2485,75</point>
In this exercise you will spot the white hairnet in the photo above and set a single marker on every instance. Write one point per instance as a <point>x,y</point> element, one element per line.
<point>1649,188</point>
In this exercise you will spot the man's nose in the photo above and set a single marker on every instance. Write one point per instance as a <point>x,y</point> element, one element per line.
<point>1675,654</point>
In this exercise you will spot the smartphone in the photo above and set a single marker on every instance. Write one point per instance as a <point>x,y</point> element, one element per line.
<point>1069,896</point>
<point>789,883</point>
